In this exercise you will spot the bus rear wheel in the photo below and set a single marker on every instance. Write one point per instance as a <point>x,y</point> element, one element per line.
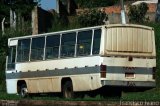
<point>68,90</point>
<point>23,91</point>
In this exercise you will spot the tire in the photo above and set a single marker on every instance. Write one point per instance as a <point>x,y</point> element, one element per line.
<point>68,90</point>
<point>79,95</point>
<point>23,91</point>
<point>118,93</point>
<point>106,92</point>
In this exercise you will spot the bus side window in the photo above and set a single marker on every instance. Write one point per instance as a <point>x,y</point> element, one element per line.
<point>11,58</point>
<point>23,50</point>
<point>96,41</point>
<point>84,40</point>
<point>52,46</point>
<point>68,45</point>
<point>37,48</point>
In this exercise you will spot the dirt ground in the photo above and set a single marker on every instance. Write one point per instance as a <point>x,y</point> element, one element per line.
<point>56,103</point>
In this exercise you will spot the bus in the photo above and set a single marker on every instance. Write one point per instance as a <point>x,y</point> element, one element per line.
<point>82,60</point>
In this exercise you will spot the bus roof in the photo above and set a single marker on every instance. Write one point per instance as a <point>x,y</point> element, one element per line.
<point>58,32</point>
<point>79,29</point>
<point>130,25</point>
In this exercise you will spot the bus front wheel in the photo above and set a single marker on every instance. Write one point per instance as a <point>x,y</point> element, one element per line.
<point>68,90</point>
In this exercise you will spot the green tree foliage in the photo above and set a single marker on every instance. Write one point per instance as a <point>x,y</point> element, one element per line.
<point>156,27</point>
<point>92,18</point>
<point>95,3</point>
<point>59,23</point>
<point>137,13</point>
<point>3,53</point>
<point>157,17</point>
<point>23,7</point>
<point>4,11</point>
<point>4,49</point>
<point>63,14</point>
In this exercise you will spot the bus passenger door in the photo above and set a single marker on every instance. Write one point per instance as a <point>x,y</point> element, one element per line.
<point>10,60</point>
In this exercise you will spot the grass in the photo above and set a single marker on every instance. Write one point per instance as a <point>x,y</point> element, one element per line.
<point>150,95</point>
<point>5,96</point>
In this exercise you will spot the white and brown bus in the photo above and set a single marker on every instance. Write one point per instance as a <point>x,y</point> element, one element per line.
<point>82,59</point>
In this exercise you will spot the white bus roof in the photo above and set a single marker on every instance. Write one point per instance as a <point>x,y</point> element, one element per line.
<point>58,32</point>
<point>79,29</point>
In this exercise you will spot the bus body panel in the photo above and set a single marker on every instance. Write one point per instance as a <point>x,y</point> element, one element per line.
<point>46,76</point>
<point>58,64</point>
<point>11,86</point>
<point>118,68</point>
<point>129,40</point>
<point>128,50</point>
<point>84,82</point>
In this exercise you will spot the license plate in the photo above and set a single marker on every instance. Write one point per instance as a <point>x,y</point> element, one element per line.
<point>129,75</point>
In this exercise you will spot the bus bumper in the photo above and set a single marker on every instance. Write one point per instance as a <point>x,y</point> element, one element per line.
<point>146,84</point>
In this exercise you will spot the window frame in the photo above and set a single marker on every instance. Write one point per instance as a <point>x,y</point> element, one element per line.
<point>60,34</point>
<point>31,49</point>
<point>75,42</point>
<point>9,61</point>
<point>28,50</point>
<point>99,42</point>
<point>90,42</point>
<point>57,46</point>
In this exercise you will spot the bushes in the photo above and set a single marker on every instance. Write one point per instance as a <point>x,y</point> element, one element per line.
<point>89,17</point>
<point>137,13</point>
<point>156,27</point>
<point>3,53</point>
<point>92,18</point>
<point>95,3</point>
<point>4,48</point>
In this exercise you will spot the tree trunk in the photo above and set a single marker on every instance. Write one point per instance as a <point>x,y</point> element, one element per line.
<point>3,25</point>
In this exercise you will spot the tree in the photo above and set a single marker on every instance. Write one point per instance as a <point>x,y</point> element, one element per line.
<point>92,18</point>
<point>157,18</point>
<point>4,11</point>
<point>22,9</point>
<point>137,13</point>
<point>95,3</point>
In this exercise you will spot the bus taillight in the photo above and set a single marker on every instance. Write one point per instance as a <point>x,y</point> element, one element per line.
<point>103,71</point>
<point>154,72</point>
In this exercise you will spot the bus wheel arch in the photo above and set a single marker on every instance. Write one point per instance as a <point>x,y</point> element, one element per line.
<point>67,88</point>
<point>22,88</point>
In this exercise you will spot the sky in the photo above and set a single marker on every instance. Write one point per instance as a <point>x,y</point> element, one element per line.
<point>51,4</point>
<point>48,4</point>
